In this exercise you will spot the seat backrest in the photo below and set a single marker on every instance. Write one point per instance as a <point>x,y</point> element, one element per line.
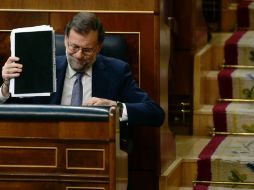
<point>113,46</point>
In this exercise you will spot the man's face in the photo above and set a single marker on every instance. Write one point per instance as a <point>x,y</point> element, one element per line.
<point>81,49</point>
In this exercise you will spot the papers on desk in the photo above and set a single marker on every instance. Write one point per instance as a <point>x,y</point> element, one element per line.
<point>35,46</point>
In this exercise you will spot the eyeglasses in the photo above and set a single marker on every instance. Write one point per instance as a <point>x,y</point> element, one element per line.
<point>75,48</point>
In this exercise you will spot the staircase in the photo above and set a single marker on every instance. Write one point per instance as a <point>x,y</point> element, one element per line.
<point>227,86</point>
<point>220,154</point>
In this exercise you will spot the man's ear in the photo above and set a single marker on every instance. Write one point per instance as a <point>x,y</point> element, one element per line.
<point>99,48</point>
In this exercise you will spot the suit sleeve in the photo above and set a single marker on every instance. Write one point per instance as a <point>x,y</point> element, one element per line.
<point>141,109</point>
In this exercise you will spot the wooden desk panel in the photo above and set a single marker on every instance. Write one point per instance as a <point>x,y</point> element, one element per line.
<point>49,155</point>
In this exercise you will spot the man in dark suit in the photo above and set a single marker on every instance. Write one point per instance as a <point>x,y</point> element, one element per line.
<point>105,81</point>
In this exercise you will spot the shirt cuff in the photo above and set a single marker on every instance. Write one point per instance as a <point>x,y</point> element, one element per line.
<point>124,114</point>
<point>3,98</point>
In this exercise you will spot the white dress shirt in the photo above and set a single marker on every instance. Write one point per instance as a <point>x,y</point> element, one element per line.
<point>68,85</point>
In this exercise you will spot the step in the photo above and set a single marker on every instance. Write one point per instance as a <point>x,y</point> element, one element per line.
<point>238,49</point>
<point>242,81</point>
<point>234,117</point>
<point>227,159</point>
<point>236,83</point>
<point>183,171</point>
<point>204,187</point>
<point>245,18</point>
<point>238,118</point>
<point>211,91</point>
<point>203,120</point>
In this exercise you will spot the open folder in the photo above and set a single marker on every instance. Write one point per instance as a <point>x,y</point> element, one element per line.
<point>35,46</point>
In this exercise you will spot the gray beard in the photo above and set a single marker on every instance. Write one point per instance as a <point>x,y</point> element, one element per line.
<point>78,67</point>
<point>74,65</point>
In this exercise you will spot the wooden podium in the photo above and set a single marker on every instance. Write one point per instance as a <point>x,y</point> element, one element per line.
<point>57,147</point>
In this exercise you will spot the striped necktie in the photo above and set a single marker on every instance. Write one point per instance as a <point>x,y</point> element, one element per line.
<point>77,91</point>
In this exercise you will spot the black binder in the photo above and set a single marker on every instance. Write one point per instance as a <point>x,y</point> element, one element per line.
<point>36,50</point>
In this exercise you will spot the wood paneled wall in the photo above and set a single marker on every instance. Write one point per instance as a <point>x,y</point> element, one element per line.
<point>106,5</point>
<point>101,5</point>
<point>139,36</point>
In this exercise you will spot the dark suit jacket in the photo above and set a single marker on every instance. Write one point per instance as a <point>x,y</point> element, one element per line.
<point>111,79</point>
